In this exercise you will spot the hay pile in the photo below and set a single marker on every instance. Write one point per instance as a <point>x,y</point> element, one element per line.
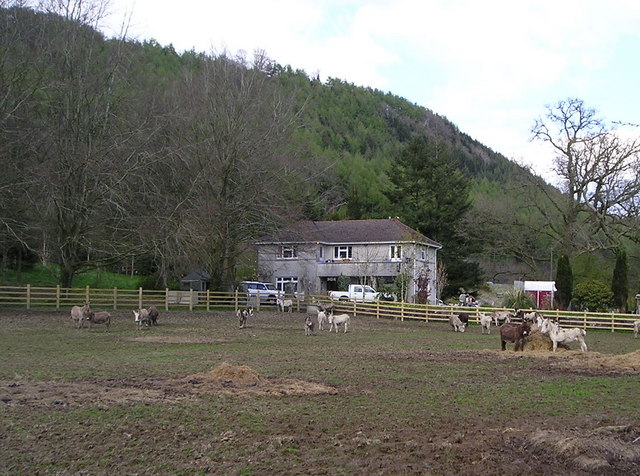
<point>537,341</point>
<point>237,375</point>
<point>242,380</point>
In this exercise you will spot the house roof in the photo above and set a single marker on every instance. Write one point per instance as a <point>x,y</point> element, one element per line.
<point>388,230</point>
<point>198,275</point>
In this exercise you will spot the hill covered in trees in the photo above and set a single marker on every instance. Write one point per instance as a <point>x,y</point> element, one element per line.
<point>117,150</point>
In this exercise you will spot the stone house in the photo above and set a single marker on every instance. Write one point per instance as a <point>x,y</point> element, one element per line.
<point>310,256</point>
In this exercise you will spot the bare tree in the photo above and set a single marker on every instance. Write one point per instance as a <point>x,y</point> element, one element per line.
<point>441,279</point>
<point>234,133</point>
<point>600,177</point>
<point>72,137</point>
<point>20,81</point>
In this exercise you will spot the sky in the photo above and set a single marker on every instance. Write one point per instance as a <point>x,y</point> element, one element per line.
<point>491,67</point>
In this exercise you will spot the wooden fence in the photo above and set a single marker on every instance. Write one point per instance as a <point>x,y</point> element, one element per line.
<point>587,320</point>
<point>31,297</point>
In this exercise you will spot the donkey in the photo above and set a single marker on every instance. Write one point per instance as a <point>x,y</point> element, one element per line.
<point>512,332</point>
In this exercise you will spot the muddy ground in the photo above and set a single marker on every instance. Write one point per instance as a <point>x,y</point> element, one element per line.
<point>500,443</point>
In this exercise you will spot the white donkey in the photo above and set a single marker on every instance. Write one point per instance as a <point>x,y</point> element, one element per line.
<point>338,320</point>
<point>557,335</point>
<point>322,316</point>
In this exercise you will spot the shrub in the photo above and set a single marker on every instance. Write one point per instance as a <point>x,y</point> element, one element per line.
<point>518,299</point>
<point>593,296</point>
<point>343,282</point>
<point>150,281</point>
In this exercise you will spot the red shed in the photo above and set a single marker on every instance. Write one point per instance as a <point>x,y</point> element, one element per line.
<point>542,292</point>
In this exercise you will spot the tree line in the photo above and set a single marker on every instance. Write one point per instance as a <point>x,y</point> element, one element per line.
<point>115,149</point>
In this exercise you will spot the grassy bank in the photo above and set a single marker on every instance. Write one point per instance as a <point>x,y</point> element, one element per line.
<point>48,276</point>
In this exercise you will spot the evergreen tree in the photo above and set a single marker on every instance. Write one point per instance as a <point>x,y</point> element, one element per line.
<point>431,194</point>
<point>564,282</point>
<point>354,204</point>
<point>619,282</point>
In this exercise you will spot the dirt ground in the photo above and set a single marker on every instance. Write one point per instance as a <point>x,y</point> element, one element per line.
<point>506,445</point>
<point>603,450</point>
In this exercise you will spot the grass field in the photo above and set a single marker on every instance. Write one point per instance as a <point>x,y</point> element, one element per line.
<point>388,397</point>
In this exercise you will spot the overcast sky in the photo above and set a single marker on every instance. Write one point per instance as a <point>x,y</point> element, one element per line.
<point>491,67</point>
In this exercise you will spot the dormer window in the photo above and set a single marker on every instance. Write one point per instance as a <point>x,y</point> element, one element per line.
<point>395,252</point>
<point>288,252</point>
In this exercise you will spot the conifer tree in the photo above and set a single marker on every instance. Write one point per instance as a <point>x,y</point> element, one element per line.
<point>431,194</point>
<point>619,281</point>
<point>564,282</point>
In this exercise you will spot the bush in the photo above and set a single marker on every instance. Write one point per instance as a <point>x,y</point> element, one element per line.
<point>594,296</point>
<point>150,281</point>
<point>343,282</point>
<point>518,299</point>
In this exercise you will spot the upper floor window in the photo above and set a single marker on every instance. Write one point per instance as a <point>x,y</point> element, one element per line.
<point>288,251</point>
<point>395,252</point>
<point>423,255</point>
<point>343,252</point>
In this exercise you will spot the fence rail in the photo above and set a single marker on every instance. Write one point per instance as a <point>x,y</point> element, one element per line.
<point>32,297</point>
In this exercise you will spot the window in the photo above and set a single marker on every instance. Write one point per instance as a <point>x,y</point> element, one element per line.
<point>288,252</point>
<point>395,252</point>
<point>423,255</point>
<point>343,252</point>
<point>321,252</point>
<point>289,283</point>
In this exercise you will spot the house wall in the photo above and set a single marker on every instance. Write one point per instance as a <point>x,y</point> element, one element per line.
<point>314,263</point>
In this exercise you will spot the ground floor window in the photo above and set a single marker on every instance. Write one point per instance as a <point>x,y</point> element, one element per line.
<point>287,284</point>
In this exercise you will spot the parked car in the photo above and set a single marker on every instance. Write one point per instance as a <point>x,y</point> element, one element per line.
<point>267,293</point>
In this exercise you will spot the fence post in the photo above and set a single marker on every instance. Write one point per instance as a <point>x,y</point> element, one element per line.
<point>584,320</point>
<point>86,294</point>
<point>57,297</point>
<point>355,308</point>
<point>140,298</point>
<point>166,299</point>
<point>208,297</point>
<point>402,310</point>
<point>28,296</point>
<point>378,309</point>
<point>426,313</point>
<point>115,298</point>
<point>613,323</point>
<point>235,304</point>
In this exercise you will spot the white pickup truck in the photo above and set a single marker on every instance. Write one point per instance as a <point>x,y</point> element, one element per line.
<point>356,292</point>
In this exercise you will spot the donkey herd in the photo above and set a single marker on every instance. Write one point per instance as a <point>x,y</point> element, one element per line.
<point>525,324</point>
<point>529,323</point>
<point>141,318</point>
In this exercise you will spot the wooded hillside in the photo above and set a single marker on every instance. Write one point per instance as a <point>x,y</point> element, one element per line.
<point>115,150</point>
